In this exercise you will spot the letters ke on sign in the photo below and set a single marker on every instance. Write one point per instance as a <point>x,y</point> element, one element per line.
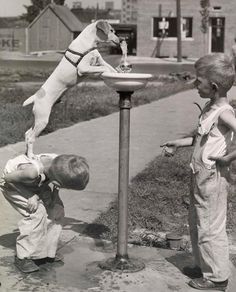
<point>9,42</point>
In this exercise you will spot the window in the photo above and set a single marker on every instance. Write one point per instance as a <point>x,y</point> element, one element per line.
<point>134,15</point>
<point>217,8</point>
<point>167,26</point>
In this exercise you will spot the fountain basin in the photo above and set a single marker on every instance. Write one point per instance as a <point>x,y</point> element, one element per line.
<point>126,82</point>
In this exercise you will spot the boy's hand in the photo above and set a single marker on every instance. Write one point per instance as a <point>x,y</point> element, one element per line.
<point>169,148</point>
<point>33,204</point>
<point>173,143</point>
<point>221,161</point>
<point>169,151</point>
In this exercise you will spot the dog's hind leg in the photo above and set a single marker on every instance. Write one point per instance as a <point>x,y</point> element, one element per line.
<point>41,112</point>
<point>29,139</point>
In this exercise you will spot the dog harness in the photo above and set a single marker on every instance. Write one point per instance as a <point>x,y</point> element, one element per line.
<point>81,55</point>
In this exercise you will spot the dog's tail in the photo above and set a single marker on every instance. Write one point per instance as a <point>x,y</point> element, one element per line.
<point>29,100</point>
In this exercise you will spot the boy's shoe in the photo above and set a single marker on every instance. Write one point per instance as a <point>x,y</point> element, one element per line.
<point>192,272</point>
<point>205,284</point>
<point>26,265</point>
<point>58,258</point>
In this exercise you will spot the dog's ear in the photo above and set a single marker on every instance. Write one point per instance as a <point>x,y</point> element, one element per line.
<point>103,26</point>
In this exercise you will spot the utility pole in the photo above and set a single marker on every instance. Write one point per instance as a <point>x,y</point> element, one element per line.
<point>179,38</point>
<point>96,11</point>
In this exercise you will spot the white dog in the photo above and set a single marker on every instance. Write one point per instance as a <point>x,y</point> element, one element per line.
<point>80,60</point>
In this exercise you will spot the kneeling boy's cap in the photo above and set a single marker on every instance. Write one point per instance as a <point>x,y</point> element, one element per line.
<point>71,171</point>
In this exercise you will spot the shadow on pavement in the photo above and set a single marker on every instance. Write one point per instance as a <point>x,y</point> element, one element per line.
<point>181,260</point>
<point>9,240</point>
<point>93,230</point>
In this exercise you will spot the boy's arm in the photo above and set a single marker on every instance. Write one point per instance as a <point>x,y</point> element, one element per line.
<point>228,119</point>
<point>23,175</point>
<point>56,197</point>
<point>183,142</point>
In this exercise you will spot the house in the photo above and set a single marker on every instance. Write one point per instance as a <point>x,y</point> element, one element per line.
<point>157,27</point>
<point>12,34</point>
<point>129,11</point>
<point>53,29</point>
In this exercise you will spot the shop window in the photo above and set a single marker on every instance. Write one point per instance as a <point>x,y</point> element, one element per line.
<point>167,26</point>
<point>216,7</point>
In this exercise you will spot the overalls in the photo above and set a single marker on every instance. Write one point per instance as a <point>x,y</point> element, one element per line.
<point>208,198</point>
<point>39,231</point>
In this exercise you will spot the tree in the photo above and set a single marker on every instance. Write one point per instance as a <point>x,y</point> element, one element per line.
<point>37,6</point>
<point>205,5</point>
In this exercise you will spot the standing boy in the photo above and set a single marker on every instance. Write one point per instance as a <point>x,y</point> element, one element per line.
<point>32,186</point>
<point>210,161</point>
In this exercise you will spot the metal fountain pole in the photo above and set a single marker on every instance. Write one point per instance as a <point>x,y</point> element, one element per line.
<point>122,262</point>
<point>124,84</point>
<point>123,180</point>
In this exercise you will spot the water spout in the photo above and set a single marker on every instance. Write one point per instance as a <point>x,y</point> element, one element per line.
<point>124,66</point>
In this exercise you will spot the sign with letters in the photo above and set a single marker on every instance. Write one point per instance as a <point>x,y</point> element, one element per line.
<point>9,43</point>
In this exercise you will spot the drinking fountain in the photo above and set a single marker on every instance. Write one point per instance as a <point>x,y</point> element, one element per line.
<point>124,84</point>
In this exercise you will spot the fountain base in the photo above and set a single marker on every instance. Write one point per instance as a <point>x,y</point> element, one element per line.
<point>122,264</point>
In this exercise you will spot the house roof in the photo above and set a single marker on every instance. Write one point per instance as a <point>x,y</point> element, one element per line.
<point>12,22</point>
<point>65,15</point>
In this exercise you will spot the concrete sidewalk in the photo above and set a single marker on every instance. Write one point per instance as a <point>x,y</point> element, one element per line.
<point>97,140</point>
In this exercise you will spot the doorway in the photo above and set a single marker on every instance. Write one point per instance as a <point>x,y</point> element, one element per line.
<point>217,28</point>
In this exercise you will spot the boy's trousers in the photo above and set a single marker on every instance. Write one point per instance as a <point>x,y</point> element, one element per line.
<point>39,231</point>
<point>207,222</point>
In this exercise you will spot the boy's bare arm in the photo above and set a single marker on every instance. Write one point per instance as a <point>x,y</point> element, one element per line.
<point>228,119</point>
<point>25,175</point>
<point>183,142</point>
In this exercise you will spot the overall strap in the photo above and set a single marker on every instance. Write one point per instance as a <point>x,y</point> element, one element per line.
<point>220,110</point>
<point>209,123</point>
<point>38,165</point>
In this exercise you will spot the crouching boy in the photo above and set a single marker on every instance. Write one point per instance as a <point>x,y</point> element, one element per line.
<point>32,186</point>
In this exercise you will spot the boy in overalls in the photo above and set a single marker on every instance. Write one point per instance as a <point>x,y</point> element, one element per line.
<point>32,186</point>
<point>215,75</point>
